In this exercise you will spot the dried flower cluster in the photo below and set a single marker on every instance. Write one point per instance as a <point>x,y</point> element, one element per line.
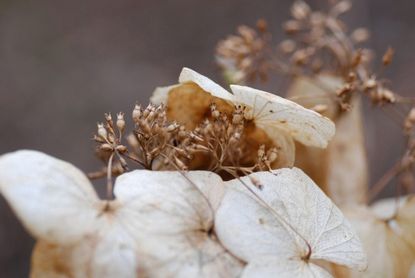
<point>332,72</point>
<point>318,43</point>
<point>245,56</point>
<point>206,180</point>
<point>218,144</point>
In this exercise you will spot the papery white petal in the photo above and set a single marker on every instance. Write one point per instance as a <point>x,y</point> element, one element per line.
<point>301,215</point>
<point>172,214</point>
<point>115,253</point>
<point>190,254</point>
<point>188,75</point>
<point>283,269</point>
<point>306,126</point>
<point>54,200</point>
<point>111,252</point>
<point>182,198</point>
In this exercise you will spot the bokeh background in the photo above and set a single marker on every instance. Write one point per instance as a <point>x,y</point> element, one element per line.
<point>64,63</point>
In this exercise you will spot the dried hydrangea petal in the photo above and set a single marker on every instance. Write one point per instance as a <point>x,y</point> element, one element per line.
<point>53,199</point>
<point>294,221</point>
<point>304,125</point>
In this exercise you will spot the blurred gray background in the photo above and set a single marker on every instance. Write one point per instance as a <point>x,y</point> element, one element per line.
<point>64,63</point>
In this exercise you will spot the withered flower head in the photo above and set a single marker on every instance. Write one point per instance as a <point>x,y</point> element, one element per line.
<point>244,57</point>
<point>258,117</point>
<point>159,224</point>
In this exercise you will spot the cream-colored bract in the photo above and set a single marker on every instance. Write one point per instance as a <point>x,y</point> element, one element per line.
<point>294,225</point>
<point>271,111</point>
<point>187,75</point>
<point>157,226</point>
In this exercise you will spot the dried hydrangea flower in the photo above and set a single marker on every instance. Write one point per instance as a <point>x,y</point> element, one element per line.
<point>387,231</point>
<point>159,225</point>
<point>272,117</point>
<point>286,227</point>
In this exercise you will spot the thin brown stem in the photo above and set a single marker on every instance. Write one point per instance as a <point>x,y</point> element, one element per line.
<point>384,181</point>
<point>110,194</point>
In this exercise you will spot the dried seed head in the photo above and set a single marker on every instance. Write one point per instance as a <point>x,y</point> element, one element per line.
<point>341,7</point>
<point>300,10</point>
<point>101,131</point>
<point>120,122</point>
<point>106,147</point>
<point>238,115</point>
<point>360,35</point>
<point>287,46</point>
<point>108,117</point>
<point>272,155</point>
<point>261,153</point>
<point>370,83</point>
<point>292,26</point>
<point>121,148</point>
<point>214,111</point>
<point>172,127</point>
<point>137,112</point>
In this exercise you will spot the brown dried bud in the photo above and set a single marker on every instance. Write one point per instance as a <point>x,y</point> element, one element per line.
<point>261,152</point>
<point>388,56</point>
<point>106,147</point>
<point>102,132</point>
<point>120,121</point>
<point>300,57</point>
<point>300,10</point>
<point>238,116</point>
<point>347,88</point>
<point>108,117</point>
<point>292,26</point>
<point>137,112</point>
<point>287,46</point>
<point>272,155</point>
<point>262,25</point>
<point>121,148</point>
<point>370,83</point>
<point>172,127</point>
<point>341,7</point>
<point>215,113</point>
<point>360,35</point>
